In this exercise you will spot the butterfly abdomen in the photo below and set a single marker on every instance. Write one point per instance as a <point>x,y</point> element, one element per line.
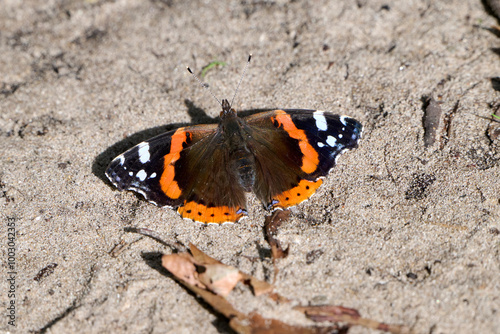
<point>243,163</point>
<point>241,158</point>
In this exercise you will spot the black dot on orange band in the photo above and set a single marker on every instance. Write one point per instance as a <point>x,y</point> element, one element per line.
<point>307,187</point>
<point>188,211</point>
<point>212,215</point>
<point>298,194</point>
<point>287,198</point>
<point>199,213</point>
<point>226,213</point>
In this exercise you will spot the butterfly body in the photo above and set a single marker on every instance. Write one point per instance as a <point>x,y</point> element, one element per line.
<point>233,139</point>
<point>205,171</point>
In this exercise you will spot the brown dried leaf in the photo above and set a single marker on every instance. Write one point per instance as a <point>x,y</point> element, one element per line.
<point>328,312</point>
<point>200,257</point>
<point>219,278</point>
<point>271,225</point>
<point>277,252</point>
<point>199,271</point>
<point>259,287</point>
<point>274,221</point>
<point>219,303</point>
<point>256,324</point>
<point>202,271</point>
<point>182,266</point>
<point>350,316</point>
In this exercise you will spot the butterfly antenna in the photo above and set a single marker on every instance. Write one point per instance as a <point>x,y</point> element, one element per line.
<point>241,79</point>
<point>204,85</point>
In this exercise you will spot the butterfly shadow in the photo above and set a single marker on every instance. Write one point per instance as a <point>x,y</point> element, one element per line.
<point>492,8</point>
<point>198,116</point>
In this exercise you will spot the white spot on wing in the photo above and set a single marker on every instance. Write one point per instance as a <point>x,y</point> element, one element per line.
<point>122,159</point>
<point>321,123</point>
<point>343,120</point>
<point>320,144</point>
<point>144,152</point>
<point>130,173</point>
<point>141,175</point>
<point>331,141</point>
<point>152,176</point>
<point>340,136</point>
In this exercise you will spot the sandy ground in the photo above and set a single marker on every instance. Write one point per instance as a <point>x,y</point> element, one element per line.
<point>404,232</point>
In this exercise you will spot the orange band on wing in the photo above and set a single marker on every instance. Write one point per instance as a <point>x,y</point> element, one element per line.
<point>298,194</point>
<point>310,160</point>
<point>204,214</point>
<point>167,183</point>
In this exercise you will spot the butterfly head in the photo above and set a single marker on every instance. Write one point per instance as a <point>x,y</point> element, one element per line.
<point>226,109</point>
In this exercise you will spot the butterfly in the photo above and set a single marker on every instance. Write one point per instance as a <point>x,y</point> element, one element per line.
<point>205,171</point>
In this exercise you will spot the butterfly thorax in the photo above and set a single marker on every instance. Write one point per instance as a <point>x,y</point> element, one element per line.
<point>240,157</point>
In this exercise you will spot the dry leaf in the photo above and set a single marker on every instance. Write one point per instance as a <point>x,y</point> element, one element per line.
<point>202,271</point>
<point>256,324</point>
<point>219,303</point>
<point>182,266</point>
<point>328,312</point>
<point>201,257</point>
<point>210,279</point>
<point>350,316</point>
<point>271,225</point>
<point>259,287</point>
<point>219,278</point>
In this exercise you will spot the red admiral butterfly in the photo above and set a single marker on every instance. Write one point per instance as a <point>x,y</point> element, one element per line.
<point>204,171</point>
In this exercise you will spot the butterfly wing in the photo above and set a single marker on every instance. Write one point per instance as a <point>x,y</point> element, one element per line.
<point>183,169</point>
<point>293,149</point>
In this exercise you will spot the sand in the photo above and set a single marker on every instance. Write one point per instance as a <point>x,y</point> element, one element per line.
<point>405,231</point>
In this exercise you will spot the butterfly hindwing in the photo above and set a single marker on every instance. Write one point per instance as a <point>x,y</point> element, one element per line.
<point>212,191</point>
